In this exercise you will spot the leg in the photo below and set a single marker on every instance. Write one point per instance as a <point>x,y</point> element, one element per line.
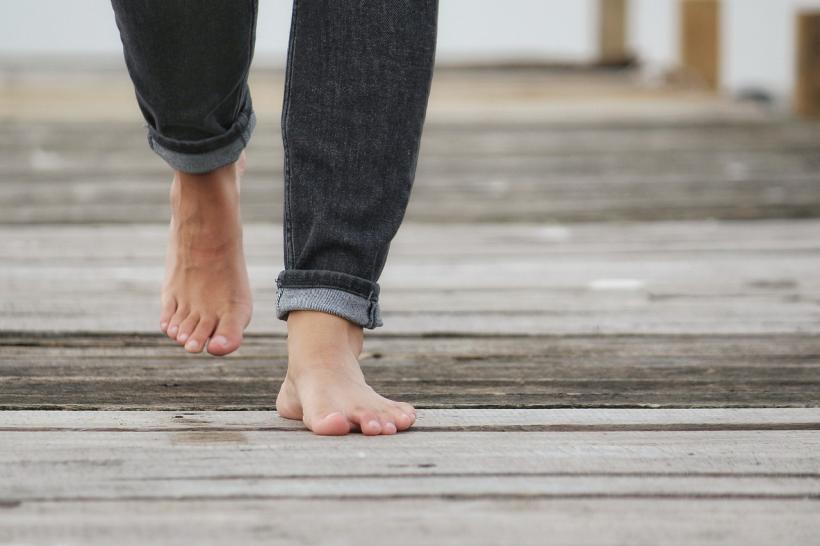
<point>356,93</point>
<point>189,63</point>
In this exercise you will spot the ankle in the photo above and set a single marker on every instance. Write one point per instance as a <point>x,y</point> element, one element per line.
<point>214,188</point>
<point>316,331</point>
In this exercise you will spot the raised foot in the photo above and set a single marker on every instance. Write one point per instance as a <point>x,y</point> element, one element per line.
<point>206,297</point>
<point>325,387</point>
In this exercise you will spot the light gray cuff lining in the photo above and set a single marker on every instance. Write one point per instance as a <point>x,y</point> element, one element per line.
<point>354,308</point>
<point>207,162</point>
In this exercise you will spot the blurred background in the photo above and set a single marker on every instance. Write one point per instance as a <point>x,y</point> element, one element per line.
<point>604,299</point>
<point>756,37</point>
<point>555,117</point>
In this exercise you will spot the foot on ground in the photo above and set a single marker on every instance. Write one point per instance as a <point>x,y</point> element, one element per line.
<point>325,387</point>
<point>206,297</point>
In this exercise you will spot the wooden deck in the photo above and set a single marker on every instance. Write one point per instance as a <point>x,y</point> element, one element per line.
<point>605,303</point>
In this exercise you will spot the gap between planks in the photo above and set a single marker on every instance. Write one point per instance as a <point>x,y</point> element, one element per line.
<point>431,420</point>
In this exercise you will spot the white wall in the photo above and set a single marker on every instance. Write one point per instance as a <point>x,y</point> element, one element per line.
<point>469,30</point>
<point>759,45</point>
<point>758,35</point>
<point>758,38</point>
<point>653,32</point>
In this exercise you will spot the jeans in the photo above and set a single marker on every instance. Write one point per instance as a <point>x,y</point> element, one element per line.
<point>356,88</point>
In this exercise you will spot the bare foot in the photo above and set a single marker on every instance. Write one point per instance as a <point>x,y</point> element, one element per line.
<point>206,294</point>
<point>325,387</point>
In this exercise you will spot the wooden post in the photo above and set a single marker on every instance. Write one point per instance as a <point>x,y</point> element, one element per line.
<point>807,85</point>
<point>700,40</point>
<point>612,28</point>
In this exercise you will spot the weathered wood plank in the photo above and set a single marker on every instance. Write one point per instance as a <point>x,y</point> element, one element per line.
<point>670,277</point>
<point>49,146</point>
<point>91,465</point>
<point>462,313</point>
<point>530,420</point>
<point>418,241</point>
<point>481,197</point>
<point>463,486</point>
<point>488,522</point>
<point>150,372</point>
<point>87,175</point>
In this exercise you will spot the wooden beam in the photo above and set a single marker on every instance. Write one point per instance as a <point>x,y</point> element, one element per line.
<point>612,31</point>
<point>700,40</point>
<point>807,86</point>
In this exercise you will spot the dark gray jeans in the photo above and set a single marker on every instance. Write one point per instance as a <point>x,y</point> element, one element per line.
<point>356,88</point>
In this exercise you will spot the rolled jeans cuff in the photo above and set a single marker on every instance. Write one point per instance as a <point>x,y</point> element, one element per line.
<point>205,155</point>
<point>340,294</point>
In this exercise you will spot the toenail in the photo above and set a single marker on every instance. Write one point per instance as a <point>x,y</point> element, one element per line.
<point>172,330</point>
<point>220,340</point>
<point>374,424</point>
<point>183,337</point>
<point>163,325</point>
<point>192,345</point>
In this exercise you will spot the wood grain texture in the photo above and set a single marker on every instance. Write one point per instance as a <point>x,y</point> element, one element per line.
<point>150,372</point>
<point>669,278</point>
<point>391,477</point>
<point>410,522</point>
<point>193,481</point>
<point>504,173</point>
<point>429,420</point>
<point>104,465</point>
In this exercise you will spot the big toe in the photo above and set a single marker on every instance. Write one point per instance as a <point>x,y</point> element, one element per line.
<point>335,424</point>
<point>227,337</point>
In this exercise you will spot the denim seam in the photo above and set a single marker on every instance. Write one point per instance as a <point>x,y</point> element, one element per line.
<point>290,253</point>
<point>254,7</point>
<point>371,311</point>
<point>246,119</point>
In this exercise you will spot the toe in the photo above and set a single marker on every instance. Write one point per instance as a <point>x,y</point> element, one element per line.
<point>334,424</point>
<point>369,423</point>
<point>406,408</point>
<point>168,307</point>
<point>402,420</point>
<point>196,342</point>
<point>173,325</point>
<point>388,426</point>
<point>228,335</point>
<point>187,327</point>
